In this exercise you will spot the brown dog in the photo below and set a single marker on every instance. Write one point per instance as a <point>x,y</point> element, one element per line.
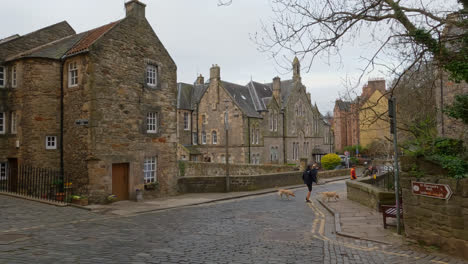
<point>329,195</point>
<point>286,193</point>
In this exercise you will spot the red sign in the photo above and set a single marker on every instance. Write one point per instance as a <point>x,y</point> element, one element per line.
<point>440,191</point>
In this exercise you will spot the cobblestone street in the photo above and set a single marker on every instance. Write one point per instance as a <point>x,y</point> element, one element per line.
<point>258,229</point>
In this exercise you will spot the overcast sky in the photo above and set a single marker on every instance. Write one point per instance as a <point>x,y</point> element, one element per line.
<point>197,34</point>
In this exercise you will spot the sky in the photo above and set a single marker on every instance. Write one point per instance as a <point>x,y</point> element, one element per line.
<point>197,34</point>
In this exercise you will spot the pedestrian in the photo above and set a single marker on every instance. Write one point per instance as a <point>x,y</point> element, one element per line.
<point>353,172</point>
<point>309,176</point>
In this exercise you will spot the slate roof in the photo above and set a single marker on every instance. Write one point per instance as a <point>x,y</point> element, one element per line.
<point>188,95</point>
<point>286,88</point>
<point>242,98</point>
<point>343,105</point>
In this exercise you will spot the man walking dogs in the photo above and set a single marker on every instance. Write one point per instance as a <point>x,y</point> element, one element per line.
<point>309,176</point>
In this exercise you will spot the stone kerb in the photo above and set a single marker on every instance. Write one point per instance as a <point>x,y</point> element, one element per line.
<point>368,195</point>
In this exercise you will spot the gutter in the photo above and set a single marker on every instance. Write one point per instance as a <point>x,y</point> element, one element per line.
<point>284,138</point>
<point>62,169</point>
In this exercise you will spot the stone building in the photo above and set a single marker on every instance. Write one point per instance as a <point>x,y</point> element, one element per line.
<point>357,122</point>
<point>272,123</point>
<point>100,105</point>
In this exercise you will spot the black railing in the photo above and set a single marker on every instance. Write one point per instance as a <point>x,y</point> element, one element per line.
<point>40,183</point>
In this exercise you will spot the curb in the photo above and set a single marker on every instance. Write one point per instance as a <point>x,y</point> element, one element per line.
<point>336,216</point>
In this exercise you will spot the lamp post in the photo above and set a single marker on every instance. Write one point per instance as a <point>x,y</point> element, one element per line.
<point>226,129</point>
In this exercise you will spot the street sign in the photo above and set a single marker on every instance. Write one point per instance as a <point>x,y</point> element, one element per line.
<point>439,191</point>
<point>346,153</point>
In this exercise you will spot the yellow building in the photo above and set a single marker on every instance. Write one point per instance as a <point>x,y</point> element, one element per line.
<point>373,120</point>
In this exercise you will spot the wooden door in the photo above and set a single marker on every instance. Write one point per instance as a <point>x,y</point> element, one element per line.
<point>120,173</point>
<point>13,174</point>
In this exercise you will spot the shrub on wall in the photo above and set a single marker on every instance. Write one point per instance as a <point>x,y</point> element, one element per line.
<point>330,161</point>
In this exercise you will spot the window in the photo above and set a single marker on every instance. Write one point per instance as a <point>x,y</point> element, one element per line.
<point>276,121</point>
<point>2,123</point>
<point>13,122</point>
<point>72,74</point>
<point>13,77</point>
<point>203,119</point>
<point>186,121</point>
<point>149,170</point>
<point>214,137</point>
<point>257,132</point>
<point>51,142</point>
<point>152,122</point>
<point>271,121</point>
<point>203,137</point>
<point>2,76</point>
<point>195,138</point>
<point>3,170</point>
<point>252,134</point>
<point>151,75</point>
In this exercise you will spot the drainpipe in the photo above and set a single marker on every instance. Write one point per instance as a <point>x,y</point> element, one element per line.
<point>284,139</point>
<point>61,120</point>
<point>248,133</point>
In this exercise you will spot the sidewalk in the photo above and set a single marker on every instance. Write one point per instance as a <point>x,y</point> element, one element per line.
<point>358,221</point>
<point>132,207</point>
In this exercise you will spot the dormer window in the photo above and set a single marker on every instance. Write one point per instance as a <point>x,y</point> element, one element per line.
<point>72,74</point>
<point>151,75</point>
<point>2,76</point>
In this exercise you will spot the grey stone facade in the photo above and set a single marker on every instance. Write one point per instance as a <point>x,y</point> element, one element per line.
<point>109,104</point>
<point>271,123</point>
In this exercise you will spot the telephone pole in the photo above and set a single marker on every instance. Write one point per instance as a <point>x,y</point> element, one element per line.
<point>393,130</point>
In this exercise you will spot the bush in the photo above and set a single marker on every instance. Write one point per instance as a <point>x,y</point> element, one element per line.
<point>354,160</point>
<point>330,161</point>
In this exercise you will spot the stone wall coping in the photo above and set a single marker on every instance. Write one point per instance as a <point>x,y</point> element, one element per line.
<point>269,174</point>
<point>366,187</point>
<point>238,164</point>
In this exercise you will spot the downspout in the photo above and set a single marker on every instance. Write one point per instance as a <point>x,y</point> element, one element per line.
<point>62,170</point>
<point>284,139</point>
<point>248,138</point>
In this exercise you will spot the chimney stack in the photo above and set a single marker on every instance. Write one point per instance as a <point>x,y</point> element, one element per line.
<point>200,80</point>
<point>215,72</point>
<point>135,8</point>
<point>296,66</point>
<point>277,89</point>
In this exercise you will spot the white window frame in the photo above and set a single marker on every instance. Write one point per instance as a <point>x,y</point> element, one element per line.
<point>2,123</point>
<point>150,168</point>
<point>195,138</point>
<point>214,137</point>
<point>257,132</point>
<point>3,170</point>
<point>252,132</point>
<point>186,121</point>
<point>3,78</point>
<point>271,121</point>
<point>276,121</point>
<point>13,122</point>
<point>72,74</point>
<point>14,80</point>
<point>51,142</point>
<point>151,75</point>
<point>152,122</point>
<point>203,136</point>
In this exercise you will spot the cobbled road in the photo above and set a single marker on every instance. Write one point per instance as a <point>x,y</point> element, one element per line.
<point>258,229</point>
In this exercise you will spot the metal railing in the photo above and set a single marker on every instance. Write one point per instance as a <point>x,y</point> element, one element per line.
<point>39,183</point>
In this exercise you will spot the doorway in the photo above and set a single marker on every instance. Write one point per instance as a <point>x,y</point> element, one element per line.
<point>120,172</point>
<point>13,174</point>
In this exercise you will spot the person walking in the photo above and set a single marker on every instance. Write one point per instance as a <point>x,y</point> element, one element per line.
<point>309,176</point>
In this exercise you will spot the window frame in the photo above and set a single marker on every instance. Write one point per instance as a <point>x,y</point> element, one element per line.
<point>3,170</point>
<point>214,137</point>
<point>150,169</point>
<point>194,138</point>
<point>203,136</point>
<point>14,79</point>
<point>2,123</point>
<point>73,74</point>
<point>4,77</point>
<point>154,76</point>
<point>155,117</point>
<point>186,121</point>
<point>54,141</point>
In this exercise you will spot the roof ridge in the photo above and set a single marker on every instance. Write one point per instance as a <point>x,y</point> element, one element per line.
<point>35,31</point>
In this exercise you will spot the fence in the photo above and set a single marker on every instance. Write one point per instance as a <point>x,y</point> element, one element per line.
<point>40,183</point>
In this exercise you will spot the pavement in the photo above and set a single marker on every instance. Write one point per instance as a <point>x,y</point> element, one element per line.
<point>260,228</point>
<point>184,200</point>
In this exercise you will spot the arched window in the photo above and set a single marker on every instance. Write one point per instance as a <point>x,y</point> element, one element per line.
<point>214,137</point>
<point>276,121</point>
<point>257,132</point>
<point>271,121</point>
<point>203,137</point>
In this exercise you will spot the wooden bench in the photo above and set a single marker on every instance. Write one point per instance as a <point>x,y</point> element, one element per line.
<point>390,211</point>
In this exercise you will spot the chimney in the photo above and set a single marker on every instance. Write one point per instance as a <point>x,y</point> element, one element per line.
<point>200,80</point>
<point>277,89</point>
<point>296,66</point>
<point>135,8</point>
<point>215,72</point>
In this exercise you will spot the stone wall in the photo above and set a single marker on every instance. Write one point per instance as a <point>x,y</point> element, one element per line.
<point>218,169</point>
<point>443,223</point>
<point>363,192</point>
<point>201,184</point>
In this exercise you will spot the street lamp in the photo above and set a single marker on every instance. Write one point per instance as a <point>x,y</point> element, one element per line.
<point>226,129</point>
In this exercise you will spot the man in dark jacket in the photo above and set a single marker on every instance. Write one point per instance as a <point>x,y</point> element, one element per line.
<point>309,176</point>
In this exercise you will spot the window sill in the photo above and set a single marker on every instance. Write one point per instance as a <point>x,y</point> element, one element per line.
<point>73,86</point>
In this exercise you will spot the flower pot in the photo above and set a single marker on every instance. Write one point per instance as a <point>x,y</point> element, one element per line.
<point>82,201</point>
